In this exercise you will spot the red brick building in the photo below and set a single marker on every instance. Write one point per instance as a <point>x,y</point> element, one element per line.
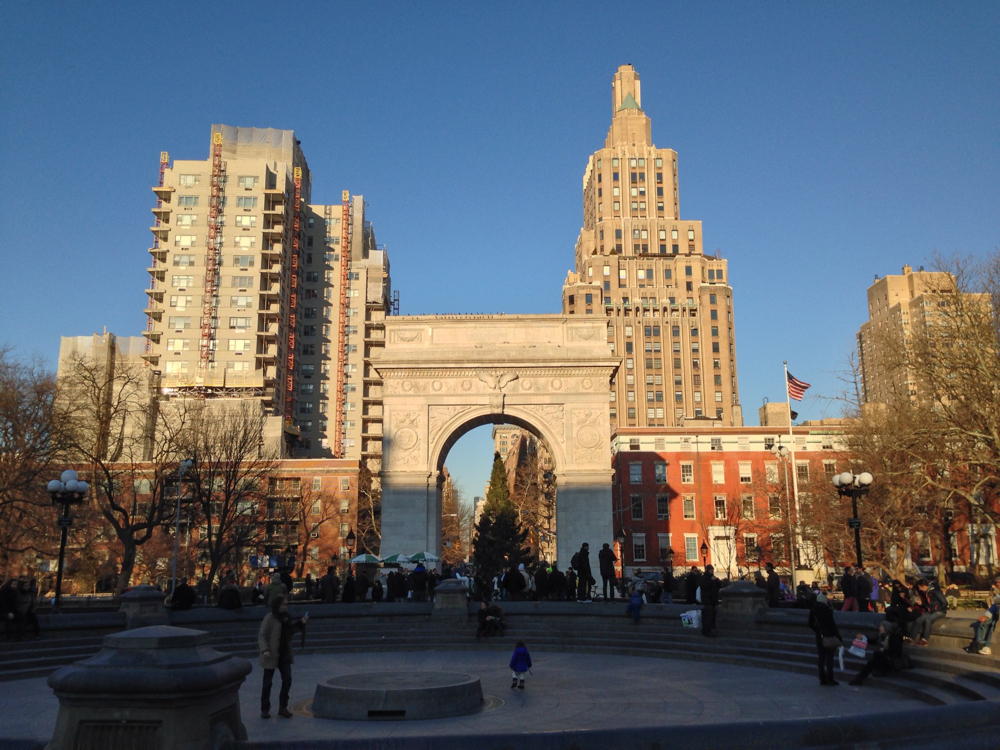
<point>718,494</point>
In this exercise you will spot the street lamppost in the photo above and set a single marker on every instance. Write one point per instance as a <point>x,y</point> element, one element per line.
<point>66,491</point>
<point>704,555</point>
<point>183,468</point>
<point>854,486</point>
<point>782,453</point>
<point>350,541</point>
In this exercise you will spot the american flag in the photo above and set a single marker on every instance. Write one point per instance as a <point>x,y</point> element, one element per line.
<point>796,388</point>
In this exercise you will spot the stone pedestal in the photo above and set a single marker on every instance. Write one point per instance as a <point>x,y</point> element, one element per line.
<point>742,601</point>
<point>451,599</point>
<point>143,606</point>
<point>155,687</point>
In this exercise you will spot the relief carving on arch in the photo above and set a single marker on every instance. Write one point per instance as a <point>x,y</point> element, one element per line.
<point>406,437</point>
<point>586,435</point>
<point>439,417</point>
<point>552,414</point>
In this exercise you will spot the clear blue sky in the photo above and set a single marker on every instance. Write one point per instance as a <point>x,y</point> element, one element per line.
<point>820,144</point>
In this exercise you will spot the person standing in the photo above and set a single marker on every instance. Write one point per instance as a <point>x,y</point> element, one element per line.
<point>556,583</point>
<point>183,596</point>
<point>584,575</point>
<point>773,586</point>
<point>862,590</point>
<point>274,641</point>
<point>606,558</point>
<point>847,586</point>
<point>329,586</point>
<point>710,586</point>
<point>668,586</point>
<point>828,638</point>
<point>274,589</point>
<point>691,581</point>
<point>520,662</point>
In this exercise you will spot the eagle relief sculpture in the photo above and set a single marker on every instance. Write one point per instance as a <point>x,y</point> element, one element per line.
<point>497,381</point>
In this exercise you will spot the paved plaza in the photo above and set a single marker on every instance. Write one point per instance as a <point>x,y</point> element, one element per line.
<point>565,692</point>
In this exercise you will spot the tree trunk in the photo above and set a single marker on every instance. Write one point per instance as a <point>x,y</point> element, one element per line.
<point>125,571</point>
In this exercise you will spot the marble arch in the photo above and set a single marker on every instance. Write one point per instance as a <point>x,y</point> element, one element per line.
<point>444,375</point>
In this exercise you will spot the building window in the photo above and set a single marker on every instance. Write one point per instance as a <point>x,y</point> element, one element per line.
<point>178,322</point>
<point>243,261</point>
<point>662,507</point>
<point>748,507</point>
<point>802,470</point>
<point>720,507</point>
<point>718,472</point>
<point>178,345</point>
<point>636,507</point>
<point>247,202</point>
<point>638,547</point>
<point>245,221</point>
<point>745,472</point>
<point>688,507</point>
<point>247,181</point>
<point>660,472</point>
<point>687,473</point>
<point>635,472</point>
<point>241,282</point>
<point>238,345</point>
<point>691,547</point>
<point>774,506</point>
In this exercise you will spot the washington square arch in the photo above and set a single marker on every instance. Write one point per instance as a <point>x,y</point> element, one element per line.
<point>445,375</point>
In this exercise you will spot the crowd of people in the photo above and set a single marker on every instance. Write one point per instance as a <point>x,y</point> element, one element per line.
<point>18,600</point>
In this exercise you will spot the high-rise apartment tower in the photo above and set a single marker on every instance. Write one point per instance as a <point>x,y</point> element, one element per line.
<point>669,307</point>
<point>257,294</point>
<point>897,306</point>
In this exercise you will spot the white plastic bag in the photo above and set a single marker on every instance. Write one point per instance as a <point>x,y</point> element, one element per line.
<point>697,595</point>
<point>691,619</point>
<point>840,656</point>
<point>859,647</point>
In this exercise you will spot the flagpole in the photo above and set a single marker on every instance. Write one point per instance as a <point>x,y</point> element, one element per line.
<point>795,481</point>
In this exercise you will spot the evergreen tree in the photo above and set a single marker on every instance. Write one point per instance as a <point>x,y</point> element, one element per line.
<point>499,542</point>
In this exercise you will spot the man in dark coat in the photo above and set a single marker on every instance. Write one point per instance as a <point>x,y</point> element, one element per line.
<point>822,623</point>
<point>329,586</point>
<point>863,590</point>
<point>230,596</point>
<point>183,597</point>
<point>773,586</point>
<point>710,586</point>
<point>557,583</point>
<point>607,561</point>
<point>584,575</point>
<point>350,590</point>
<point>691,581</point>
<point>541,582</point>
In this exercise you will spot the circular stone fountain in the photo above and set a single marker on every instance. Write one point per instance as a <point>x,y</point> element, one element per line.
<point>397,695</point>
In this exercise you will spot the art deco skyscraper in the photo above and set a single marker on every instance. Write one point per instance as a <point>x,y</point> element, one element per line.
<point>669,307</point>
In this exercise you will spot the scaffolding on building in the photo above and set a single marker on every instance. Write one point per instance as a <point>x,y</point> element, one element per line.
<point>345,254</point>
<point>212,258</point>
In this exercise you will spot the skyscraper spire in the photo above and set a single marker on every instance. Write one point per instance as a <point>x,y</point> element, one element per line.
<point>629,124</point>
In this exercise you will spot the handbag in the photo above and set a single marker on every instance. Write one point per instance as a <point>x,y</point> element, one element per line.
<point>859,647</point>
<point>831,641</point>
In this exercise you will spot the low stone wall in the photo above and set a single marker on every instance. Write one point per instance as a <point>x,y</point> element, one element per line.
<point>971,726</point>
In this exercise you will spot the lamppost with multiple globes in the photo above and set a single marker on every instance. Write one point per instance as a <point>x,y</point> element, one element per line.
<point>66,491</point>
<point>853,485</point>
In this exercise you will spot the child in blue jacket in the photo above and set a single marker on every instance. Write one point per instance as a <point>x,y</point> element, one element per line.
<point>520,662</point>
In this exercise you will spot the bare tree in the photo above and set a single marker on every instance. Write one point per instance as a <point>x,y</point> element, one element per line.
<point>369,512</point>
<point>229,481</point>
<point>301,512</point>
<point>110,413</point>
<point>456,516</point>
<point>32,440</point>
